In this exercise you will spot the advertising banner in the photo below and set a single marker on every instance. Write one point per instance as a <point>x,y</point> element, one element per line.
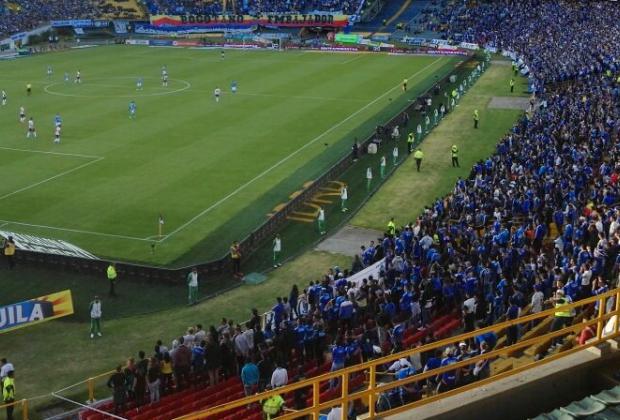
<point>34,311</point>
<point>80,23</point>
<point>239,22</point>
<point>348,38</point>
<point>46,246</point>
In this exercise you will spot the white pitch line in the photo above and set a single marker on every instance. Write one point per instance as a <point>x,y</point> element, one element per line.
<point>51,153</point>
<point>353,59</point>
<point>36,184</point>
<point>318,98</point>
<point>86,232</point>
<point>296,152</point>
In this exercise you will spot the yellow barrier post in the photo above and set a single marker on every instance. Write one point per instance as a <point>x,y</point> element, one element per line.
<point>25,409</point>
<point>371,395</point>
<point>316,391</point>
<point>91,390</point>
<point>601,313</point>
<point>345,393</point>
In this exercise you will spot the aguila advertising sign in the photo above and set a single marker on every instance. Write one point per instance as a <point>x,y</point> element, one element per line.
<point>34,311</point>
<point>246,21</point>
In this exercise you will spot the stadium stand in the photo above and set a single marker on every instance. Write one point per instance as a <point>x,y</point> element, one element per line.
<point>180,7</point>
<point>604,405</point>
<point>23,15</point>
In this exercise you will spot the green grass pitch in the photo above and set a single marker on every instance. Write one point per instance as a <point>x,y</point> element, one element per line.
<point>213,170</point>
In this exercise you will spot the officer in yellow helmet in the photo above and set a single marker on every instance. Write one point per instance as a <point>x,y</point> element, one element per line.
<point>476,118</point>
<point>405,81</point>
<point>8,393</point>
<point>391,227</point>
<point>418,156</point>
<point>562,315</point>
<point>272,406</point>
<point>410,140</point>
<point>112,277</point>
<point>455,156</point>
<point>512,85</point>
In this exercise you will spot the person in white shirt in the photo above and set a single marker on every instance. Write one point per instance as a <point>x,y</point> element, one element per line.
<point>277,250</point>
<point>344,196</point>
<point>335,413</point>
<point>192,285</point>
<point>538,299</point>
<point>279,377</point>
<point>5,369</point>
<point>200,334</point>
<point>32,131</point>
<point>95,317</point>
<point>189,338</point>
<point>217,92</point>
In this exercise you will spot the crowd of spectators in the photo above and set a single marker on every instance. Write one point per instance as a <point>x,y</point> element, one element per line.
<point>250,7</point>
<point>535,222</point>
<point>537,31</point>
<point>23,15</point>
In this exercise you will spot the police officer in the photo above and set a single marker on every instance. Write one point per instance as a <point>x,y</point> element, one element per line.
<point>112,277</point>
<point>8,393</point>
<point>476,118</point>
<point>410,139</point>
<point>418,156</point>
<point>455,156</point>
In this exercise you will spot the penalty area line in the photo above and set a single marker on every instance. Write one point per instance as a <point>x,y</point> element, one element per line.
<point>80,231</point>
<point>51,178</point>
<point>293,154</point>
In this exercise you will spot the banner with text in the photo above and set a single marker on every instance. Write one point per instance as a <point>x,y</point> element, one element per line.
<point>34,311</point>
<point>32,243</point>
<point>240,22</point>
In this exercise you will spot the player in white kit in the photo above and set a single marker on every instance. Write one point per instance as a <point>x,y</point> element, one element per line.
<point>32,131</point>
<point>4,98</point>
<point>22,114</point>
<point>217,92</point>
<point>57,134</point>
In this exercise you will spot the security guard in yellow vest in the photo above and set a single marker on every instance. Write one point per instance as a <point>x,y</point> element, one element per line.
<point>562,315</point>
<point>418,156</point>
<point>455,156</point>
<point>391,227</point>
<point>476,118</point>
<point>272,406</point>
<point>112,277</point>
<point>8,393</point>
<point>410,139</point>
<point>512,85</point>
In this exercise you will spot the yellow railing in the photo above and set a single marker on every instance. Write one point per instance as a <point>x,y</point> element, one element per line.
<point>24,406</point>
<point>372,388</point>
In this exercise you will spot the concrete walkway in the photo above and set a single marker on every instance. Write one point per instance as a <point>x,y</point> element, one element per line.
<point>347,241</point>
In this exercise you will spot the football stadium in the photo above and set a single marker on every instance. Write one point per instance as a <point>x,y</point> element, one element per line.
<point>315,209</point>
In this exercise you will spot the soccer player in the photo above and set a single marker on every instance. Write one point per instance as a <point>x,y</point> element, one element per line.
<point>32,131</point>
<point>139,83</point>
<point>78,77</point>
<point>233,86</point>
<point>405,85</point>
<point>22,114</point>
<point>217,93</point>
<point>28,89</point>
<point>66,77</point>
<point>57,134</point>
<point>132,110</point>
<point>4,98</point>
<point>164,79</point>
<point>222,54</point>
<point>321,221</point>
<point>49,72</point>
<point>57,120</point>
<point>277,250</point>
<point>344,196</point>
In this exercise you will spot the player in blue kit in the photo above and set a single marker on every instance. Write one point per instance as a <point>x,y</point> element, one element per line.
<point>132,110</point>
<point>139,83</point>
<point>58,121</point>
<point>233,86</point>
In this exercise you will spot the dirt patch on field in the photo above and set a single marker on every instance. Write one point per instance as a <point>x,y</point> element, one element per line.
<point>506,102</point>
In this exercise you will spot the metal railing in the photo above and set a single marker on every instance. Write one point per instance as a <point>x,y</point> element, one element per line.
<point>371,388</point>
<point>23,404</point>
